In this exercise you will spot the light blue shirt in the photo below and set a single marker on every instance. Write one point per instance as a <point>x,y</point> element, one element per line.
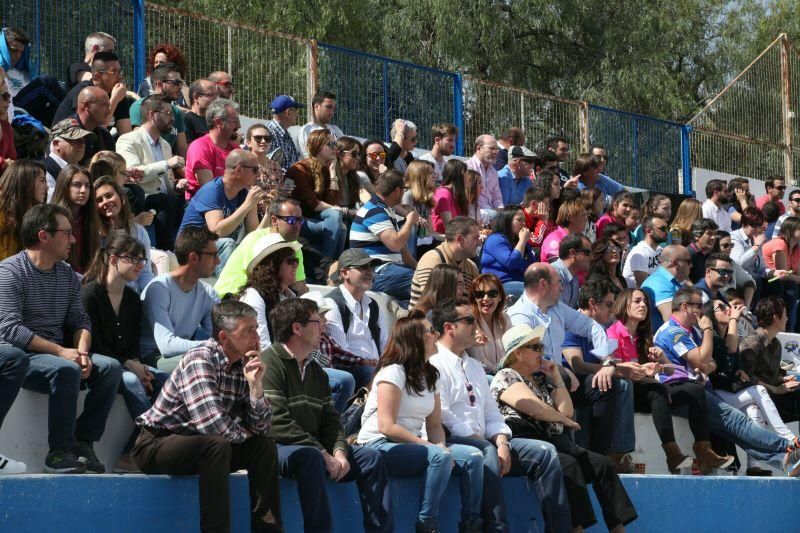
<point>557,321</point>
<point>605,185</point>
<point>569,284</point>
<point>175,321</point>
<point>512,189</point>
<point>660,287</point>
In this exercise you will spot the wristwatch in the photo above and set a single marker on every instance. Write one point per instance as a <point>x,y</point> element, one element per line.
<point>608,362</point>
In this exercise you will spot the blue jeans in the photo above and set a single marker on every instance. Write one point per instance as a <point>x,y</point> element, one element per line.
<point>13,369</point>
<point>727,421</point>
<point>395,280</point>
<point>624,436</point>
<point>342,387</point>
<point>137,401</point>
<point>61,380</point>
<point>326,232</point>
<point>225,247</point>
<point>367,468</point>
<point>514,288</point>
<point>362,374</point>
<point>538,461</point>
<point>435,464</point>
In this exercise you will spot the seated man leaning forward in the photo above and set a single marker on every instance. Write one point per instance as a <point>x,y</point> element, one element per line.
<point>45,340</point>
<point>312,444</point>
<point>176,307</point>
<point>212,419</point>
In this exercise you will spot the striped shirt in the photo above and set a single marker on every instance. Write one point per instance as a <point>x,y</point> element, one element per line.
<point>371,220</point>
<point>208,395</point>
<point>39,303</point>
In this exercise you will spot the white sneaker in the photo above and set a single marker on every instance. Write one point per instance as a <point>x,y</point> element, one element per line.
<point>10,466</point>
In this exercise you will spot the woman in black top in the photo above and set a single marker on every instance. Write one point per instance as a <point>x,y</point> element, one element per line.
<point>116,312</point>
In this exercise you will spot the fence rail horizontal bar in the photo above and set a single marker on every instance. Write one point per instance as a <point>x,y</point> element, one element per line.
<point>738,138</point>
<point>635,115</point>
<point>235,24</point>
<point>359,53</point>
<point>498,85</point>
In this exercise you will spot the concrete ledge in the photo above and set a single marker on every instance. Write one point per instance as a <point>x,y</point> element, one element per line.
<point>43,503</point>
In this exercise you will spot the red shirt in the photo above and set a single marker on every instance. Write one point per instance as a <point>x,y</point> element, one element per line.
<point>7,148</point>
<point>203,154</point>
<point>761,200</point>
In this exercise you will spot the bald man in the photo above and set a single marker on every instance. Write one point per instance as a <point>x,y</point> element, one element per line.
<point>224,83</point>
<point>227,203</point>
<point>661,285</point>
<point>482,162</point>
<point>92,111</point>
<point>540,304</point>
<point>107,76</point>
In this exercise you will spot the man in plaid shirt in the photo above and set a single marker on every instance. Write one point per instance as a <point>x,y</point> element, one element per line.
<point>212,418</point>
<point>284,115</point>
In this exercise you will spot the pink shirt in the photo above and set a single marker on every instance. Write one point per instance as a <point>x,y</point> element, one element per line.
<point>203,154</point>
<point>443,201</point>
<point>490,197</point>
<point>602,222</point>
<point>774,245</point>
<point>761,200</point>
<point>551,243</point>
<point>626,349</point>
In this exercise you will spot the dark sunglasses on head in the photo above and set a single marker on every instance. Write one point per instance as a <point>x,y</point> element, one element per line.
<point>291,220</point>
<point>491,293</point>
<point>262,138</point>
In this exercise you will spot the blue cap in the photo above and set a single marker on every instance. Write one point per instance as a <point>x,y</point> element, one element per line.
<point>283,102</point>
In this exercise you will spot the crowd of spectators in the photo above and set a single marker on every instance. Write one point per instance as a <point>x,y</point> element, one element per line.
<point>160,253</point>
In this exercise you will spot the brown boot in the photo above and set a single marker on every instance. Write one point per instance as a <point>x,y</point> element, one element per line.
<point>707,460</point>
<point>623,462</point>
<point>675,458</point>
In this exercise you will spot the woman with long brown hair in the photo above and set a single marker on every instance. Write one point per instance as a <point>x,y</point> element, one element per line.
<point>319,194</point>
<point>605,262</point>
<point>641,362</point>
<point>681,228</point>
<point>445,283</point>
<point>345,171</point>
<point>402,401</point>
<point>22,185</point>
<point>450,199</point>
<point>488,298</point>
<point>270,275</point>
<point>75,192</point>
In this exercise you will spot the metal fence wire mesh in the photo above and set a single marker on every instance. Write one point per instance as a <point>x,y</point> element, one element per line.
<point>372,91</point>
<point>58,29</point>
<point>741,131</point>
<point>643,152</point>
<point>263,64</point>
<point>493,108</point>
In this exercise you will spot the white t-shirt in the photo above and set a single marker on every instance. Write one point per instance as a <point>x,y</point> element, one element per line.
<point>411,414</point>
<point>302,137</point>
<point>438,168</point>
<point>641,258</point>
<point>718,215</point>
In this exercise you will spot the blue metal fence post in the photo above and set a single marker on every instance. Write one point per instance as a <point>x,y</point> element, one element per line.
<point>635,133</point>
<point>386,126</point>
<point>38,35</point>
<point>458,111</point>
<point>139,51</point>
<point>686,159</point>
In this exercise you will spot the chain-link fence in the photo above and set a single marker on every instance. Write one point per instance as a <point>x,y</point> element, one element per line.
<point>493,108</point>
<point>748,129</point>
<point>263,64</point>
<point>644,152</point>
<point>58,29</point>
<point>372,91</point>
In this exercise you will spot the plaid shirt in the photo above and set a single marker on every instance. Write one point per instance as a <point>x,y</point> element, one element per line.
<point>330,352</point>
<point>282,139</point>
<point>208,395</point>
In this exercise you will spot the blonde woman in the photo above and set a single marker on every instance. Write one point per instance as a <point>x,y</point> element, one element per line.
<point>420,185</point>
<point>681,228</point>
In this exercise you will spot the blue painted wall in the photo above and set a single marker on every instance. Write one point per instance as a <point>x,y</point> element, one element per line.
<point>135,503</point>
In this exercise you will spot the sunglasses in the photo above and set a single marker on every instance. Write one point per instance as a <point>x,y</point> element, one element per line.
<point>795,199</point>
<point>725,246</point>
<point>781,187</point>
<point>291,220</point>
<point>536,346</point>
<point>724,272</point>
<point>430,329</point>
<point>491,293</point>
<point>469,319</point>
<point>262,138</point>
<point>331,144</point>
<point>471,394</point>
<point>376,155</point>
<point>176,83</point>
<point>355,154</point>
<point>292,261</point>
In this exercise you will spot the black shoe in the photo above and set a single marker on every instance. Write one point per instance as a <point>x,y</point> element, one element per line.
<point>426,527</point>
<point>63,462</point>
<point>85,452</point>
<point>756,471</point>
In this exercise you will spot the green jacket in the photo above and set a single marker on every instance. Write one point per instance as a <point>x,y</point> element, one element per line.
<point>302,410</point>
